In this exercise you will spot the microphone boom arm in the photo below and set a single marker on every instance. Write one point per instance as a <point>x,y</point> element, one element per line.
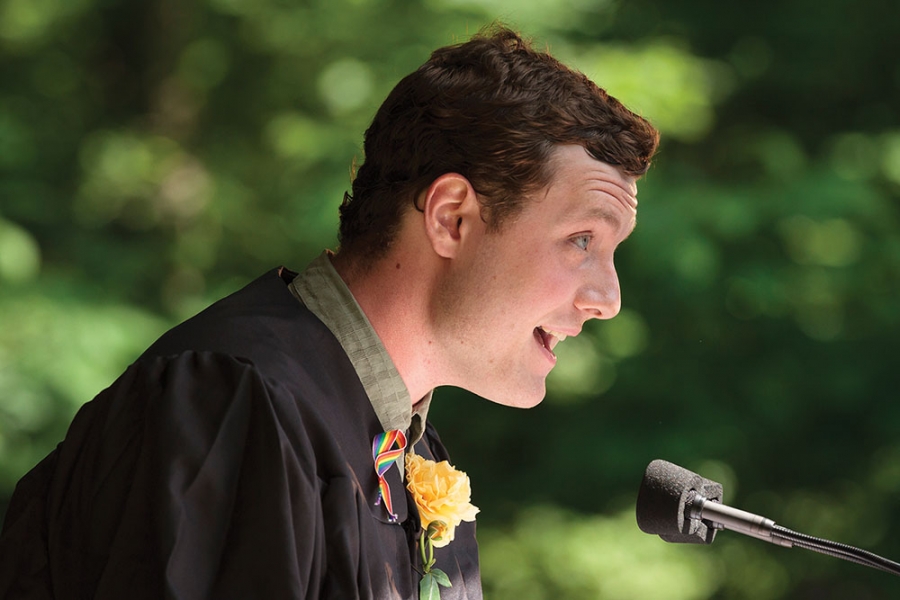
<point>683,507</point>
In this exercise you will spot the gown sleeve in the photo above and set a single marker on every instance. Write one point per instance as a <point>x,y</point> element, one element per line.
<point>190,477</point>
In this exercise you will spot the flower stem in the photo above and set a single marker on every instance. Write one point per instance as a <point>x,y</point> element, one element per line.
<point>425,565</point>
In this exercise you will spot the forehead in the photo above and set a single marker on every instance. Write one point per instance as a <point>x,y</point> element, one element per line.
<point>581,186</point>
<point>571,164</point>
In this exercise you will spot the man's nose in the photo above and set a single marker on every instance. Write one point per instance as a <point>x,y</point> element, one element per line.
<point>600,297</point>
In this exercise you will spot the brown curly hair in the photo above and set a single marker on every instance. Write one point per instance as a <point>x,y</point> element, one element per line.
<point>491,109</point>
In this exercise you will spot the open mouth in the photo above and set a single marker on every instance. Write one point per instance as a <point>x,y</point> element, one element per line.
<point>548,338</point>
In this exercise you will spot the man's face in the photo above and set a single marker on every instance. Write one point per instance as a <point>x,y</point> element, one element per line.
<point>512,295</point>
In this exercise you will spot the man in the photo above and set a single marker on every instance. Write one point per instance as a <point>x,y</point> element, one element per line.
<point>234,458</point>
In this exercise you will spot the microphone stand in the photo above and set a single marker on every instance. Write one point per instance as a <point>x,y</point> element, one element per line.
<point>726,517</point>
<point>849,553</point>
<point>680,506</point>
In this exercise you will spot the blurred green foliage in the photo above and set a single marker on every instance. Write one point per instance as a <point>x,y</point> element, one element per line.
<point>157,154</point>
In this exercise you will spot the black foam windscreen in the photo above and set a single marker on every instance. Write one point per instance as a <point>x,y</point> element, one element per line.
<point>664,500</point>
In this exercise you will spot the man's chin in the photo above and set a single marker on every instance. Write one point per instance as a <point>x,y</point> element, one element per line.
<point>520,399</point>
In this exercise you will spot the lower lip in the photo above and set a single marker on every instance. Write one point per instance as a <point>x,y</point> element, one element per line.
<point>547,353</point>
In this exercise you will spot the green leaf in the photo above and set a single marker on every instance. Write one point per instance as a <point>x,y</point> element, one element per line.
<point>441,578</point>
<point>428,588</point>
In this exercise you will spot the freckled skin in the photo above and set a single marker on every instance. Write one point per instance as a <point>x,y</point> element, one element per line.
<point>552,266</point>
<point>482,310</point>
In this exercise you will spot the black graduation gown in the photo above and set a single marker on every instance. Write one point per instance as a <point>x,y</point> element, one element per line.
<point>232,460</point>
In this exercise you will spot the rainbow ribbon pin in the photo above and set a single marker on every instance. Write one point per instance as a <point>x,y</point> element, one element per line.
<point>384,457</point>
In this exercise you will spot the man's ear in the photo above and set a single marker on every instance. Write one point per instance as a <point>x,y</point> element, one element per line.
<point>451,210</point>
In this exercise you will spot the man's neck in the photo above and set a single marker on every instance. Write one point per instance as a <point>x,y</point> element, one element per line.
<point>393,294</point>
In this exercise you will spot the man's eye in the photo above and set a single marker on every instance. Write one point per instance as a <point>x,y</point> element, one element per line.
<point>582,241</point>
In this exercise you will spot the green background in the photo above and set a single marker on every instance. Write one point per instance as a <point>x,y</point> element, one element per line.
<point>158,154</point>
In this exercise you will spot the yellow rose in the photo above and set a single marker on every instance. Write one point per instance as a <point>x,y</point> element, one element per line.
<point>441,493</point>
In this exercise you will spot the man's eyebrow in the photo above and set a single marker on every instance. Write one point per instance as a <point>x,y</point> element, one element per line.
<point>600,213</point>
<point>603,213</point>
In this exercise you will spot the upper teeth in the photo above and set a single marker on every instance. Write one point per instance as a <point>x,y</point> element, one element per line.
<point>559,336</point>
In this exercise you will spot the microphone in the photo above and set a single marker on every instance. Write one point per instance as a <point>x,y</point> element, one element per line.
<point>682,507</point>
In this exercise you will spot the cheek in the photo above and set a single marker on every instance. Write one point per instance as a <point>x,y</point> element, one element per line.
<point>522,279</point>
<point>538,291</point>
